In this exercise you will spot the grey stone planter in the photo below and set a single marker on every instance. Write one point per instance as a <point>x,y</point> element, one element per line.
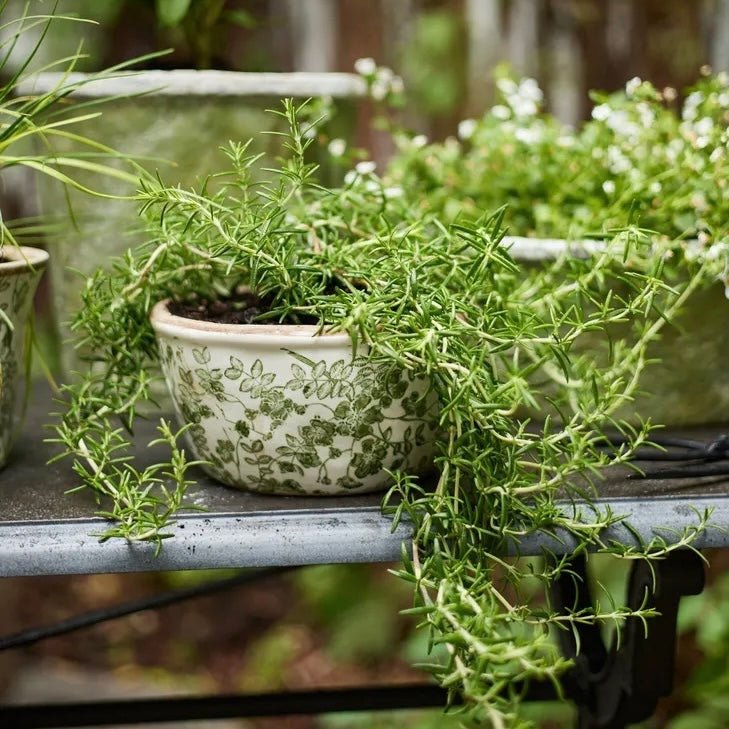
<point>689,382</point>
<point>163,117</point>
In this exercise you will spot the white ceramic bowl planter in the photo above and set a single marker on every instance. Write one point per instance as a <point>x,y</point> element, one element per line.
<point>284,409</point>
<point>20,271</point>
<point>689,382</point>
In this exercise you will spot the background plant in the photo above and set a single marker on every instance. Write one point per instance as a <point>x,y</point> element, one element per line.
<point>639,158</point>
<point>444,301</point>
<point>31,125</point>
<point>201,22</point>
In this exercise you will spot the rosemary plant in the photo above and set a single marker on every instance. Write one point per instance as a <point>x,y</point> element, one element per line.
<point>444,301</point>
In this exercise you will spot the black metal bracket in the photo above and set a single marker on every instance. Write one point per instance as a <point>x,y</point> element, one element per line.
<point>621,685</point>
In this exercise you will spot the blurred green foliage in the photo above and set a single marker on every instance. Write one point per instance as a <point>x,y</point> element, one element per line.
<point>356,607</point>
<point>433,62</point>
<point>707,616</point>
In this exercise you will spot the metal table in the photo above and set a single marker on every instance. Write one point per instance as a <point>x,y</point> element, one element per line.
<point>45,531</point>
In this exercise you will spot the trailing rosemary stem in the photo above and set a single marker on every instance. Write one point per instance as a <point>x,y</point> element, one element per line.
<point>518,364</point>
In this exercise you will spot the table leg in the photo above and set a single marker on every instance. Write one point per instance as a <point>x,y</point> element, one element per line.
<point>621,685</point>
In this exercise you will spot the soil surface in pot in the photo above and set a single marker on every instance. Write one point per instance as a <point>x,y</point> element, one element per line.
<point>239,309</point>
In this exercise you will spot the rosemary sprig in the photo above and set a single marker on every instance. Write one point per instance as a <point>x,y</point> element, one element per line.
<point>447,302</point>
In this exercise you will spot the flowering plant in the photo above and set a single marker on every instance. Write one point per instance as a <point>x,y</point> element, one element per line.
<point>638,159</point>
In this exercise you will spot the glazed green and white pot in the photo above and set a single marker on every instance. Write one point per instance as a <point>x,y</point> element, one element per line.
<point>287,409</point>
<point>20,270</point>
<point>176,122</point>
<point>688,382</point>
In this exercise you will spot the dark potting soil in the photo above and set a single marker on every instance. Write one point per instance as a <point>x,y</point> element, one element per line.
<point>238,309</point>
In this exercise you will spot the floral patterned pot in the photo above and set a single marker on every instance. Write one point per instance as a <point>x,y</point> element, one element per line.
<point>20,271</point>
<point>285,409</point>
<point>688,384</point>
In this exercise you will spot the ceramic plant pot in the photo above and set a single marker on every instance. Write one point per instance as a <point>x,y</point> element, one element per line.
<point>20,271</point>
<point>688,384</point>
<point>282,409</point>
<point>174,121</point>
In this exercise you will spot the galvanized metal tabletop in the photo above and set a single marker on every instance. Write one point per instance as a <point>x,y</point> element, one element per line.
<point>44,530</point>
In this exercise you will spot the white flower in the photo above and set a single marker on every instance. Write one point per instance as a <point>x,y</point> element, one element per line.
<point>698,201</point>
<point>466,128</point>
<point>654,188</point>
<point>617,161</point>
<point>601,112</point>
<point>723,78</point>
<point>506,86</point>
<point>704,126</point>
<point>632,86</point>
<point>501,112</point>
<point>565,141</point>
<point>351,177</point>
<point>529,89</point>
<point>365,66</point>
<point>528,135</point>
<point>365,168</point>
<point>337,147</point>
<point>397,86</point>
<point>419,141</point>
<point>372,186</point>
<point>647,117</point>
<point>452,145</point>
<point>608,187</point>
<point>385,74</point>
<point>673,149</point>
<point>522,107</point>
<point>621,124</point>
<point>717,154</point>
<point>691,104</point>
<point>392,192</point>
<point>379,90</point>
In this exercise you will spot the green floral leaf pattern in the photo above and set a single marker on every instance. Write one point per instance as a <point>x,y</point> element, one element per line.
<point>324,427</point>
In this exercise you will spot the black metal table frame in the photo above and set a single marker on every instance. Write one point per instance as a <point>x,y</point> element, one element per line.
<point>45,532</point>
<point>611,686</point>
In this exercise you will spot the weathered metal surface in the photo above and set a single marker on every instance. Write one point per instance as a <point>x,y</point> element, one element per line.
<point>44,530</point>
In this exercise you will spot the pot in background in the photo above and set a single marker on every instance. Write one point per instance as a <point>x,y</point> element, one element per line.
<point>20,271</point>
<point>176,121</point>
<point>689,382</point>
<point>285,409</point>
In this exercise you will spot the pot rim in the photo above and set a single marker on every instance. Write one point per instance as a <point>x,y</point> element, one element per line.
<point>20,259</point>
<point>164,322</point>
<point>186,82</point>
<point>524,248</point>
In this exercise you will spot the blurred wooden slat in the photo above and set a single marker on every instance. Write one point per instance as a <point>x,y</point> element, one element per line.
<point>720,37</point>
<point>524,34</point>
<point>314,34</point>
<point>485,48</point>
<point>564,83</point>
